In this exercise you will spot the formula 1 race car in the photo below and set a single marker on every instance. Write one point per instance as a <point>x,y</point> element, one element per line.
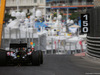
<point>20,54</point>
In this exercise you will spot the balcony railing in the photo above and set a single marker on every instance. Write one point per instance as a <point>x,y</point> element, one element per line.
<point>69,4</point>
<point>10,3</point>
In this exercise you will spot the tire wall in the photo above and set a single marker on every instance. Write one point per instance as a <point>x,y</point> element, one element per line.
<point>93,37</point>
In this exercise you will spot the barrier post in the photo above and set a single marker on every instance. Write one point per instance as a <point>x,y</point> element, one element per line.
<point>39,43</point>
<point>52,46</point>
<point>75,47</point>
<point>70,48</point>
<point>16,34</point>
<point>26,36</point>
<point>29,37</point>
<point>58,46</point>
<point>9,36</point>
<point>32,35</point>
<point>64,46</point>
<point>3,38</point>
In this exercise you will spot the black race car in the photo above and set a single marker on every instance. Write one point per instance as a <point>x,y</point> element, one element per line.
<point>20,54</point>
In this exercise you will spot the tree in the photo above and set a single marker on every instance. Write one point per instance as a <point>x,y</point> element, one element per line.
<point>75,15</point>
<point>55,14</point>
<point>7,17</point>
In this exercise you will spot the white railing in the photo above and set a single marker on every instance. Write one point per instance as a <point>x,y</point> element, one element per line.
<point>22,3</point>
<point>69,4</point>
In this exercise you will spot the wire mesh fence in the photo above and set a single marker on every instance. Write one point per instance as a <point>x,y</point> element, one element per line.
<point>48,44</point>
<point>19,36</point>
<point>56,46</point>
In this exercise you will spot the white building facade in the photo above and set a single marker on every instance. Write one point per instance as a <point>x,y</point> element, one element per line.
<point>26,5</point>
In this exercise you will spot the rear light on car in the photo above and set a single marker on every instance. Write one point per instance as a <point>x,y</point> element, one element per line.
<point>32,49</point>
<point>12,52</point>
<point>19,48</point>
<point>29,53</point>
<point>23,48</point>
<point>8,53</point>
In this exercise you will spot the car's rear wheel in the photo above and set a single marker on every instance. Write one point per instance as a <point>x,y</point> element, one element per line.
<point>35,58</point>
<point>3,56</point>
<point>41,56</point>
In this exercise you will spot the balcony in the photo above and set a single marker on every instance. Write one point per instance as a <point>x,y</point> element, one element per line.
<point>10,3</point>
<point>69,4</point>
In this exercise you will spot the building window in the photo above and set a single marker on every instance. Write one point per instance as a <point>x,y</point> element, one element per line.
<point>41,1</point>
<point>35,1</point>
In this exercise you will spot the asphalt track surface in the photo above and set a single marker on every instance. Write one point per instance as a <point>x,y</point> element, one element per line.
<point>55,65</point>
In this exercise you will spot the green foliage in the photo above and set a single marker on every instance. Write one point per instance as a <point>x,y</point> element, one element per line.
<point>8,16</point>
<point>64,17</point>
<point>75,15</point>
<point>13,18</point>
<point>61,14</point>
<point>55,14</point>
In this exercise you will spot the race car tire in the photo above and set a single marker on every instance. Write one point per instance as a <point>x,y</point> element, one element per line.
<point>41,56</point>
<point>3,56</point>
<point>35,58</point>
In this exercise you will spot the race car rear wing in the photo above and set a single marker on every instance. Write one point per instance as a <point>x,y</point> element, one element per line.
<point>16,45</point>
